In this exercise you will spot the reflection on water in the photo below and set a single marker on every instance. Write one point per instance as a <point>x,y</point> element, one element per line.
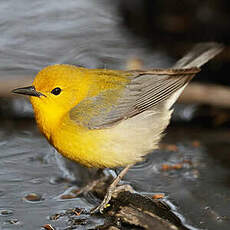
<point>193,181</point>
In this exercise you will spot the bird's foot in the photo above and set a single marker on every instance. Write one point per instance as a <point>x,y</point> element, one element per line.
<point>112,192</point>
<point>105,203</point>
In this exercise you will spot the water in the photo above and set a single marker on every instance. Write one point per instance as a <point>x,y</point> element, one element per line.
<point>198,191</point>
<point>35,34</point>
<point>25,168</point>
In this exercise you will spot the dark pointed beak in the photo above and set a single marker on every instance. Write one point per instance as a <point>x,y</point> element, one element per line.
<point>30,91</point>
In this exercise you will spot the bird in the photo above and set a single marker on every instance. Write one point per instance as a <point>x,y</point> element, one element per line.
<point>103,118</point>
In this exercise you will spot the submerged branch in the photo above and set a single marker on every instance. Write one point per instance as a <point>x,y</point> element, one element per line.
<point>209,94</point>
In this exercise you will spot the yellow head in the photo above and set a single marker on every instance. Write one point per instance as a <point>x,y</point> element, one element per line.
<point>55,91</point>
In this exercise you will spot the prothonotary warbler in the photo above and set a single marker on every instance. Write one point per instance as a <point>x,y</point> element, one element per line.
<point>108,118</point>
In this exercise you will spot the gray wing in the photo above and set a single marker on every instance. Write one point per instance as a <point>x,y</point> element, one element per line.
<point>146,90</point>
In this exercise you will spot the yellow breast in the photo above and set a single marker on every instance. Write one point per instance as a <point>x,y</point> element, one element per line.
<point>92,148</point>
<point>123,144</point>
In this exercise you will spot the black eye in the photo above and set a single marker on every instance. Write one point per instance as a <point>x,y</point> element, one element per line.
<point>56,91</point>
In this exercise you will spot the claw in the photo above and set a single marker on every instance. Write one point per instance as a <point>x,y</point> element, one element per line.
<point>103,205</point>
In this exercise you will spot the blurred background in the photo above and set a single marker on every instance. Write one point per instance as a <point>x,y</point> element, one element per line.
<point>122,34</point>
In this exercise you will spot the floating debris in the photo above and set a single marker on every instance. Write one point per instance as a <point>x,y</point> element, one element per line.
<point>48,227</point>
<point>6,212</point>
<point>158,196</point>
<point>67,196</point>
<point>33,197</point>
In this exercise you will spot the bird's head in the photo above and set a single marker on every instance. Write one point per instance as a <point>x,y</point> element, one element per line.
<point>55,91</point>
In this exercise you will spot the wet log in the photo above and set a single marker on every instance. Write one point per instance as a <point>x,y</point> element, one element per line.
<point>127,210</point>
<point>137,211</point>
<point>208,94</point>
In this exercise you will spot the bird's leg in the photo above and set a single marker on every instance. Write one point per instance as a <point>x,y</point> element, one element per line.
<point>110,191</point>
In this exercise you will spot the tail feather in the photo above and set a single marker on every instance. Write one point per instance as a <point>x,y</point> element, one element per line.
<point>199,55</point>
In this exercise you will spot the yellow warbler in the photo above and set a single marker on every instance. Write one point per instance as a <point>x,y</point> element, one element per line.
<point>109,118</point>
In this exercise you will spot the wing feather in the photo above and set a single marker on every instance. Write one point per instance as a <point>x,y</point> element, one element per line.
<point>142,93</point>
